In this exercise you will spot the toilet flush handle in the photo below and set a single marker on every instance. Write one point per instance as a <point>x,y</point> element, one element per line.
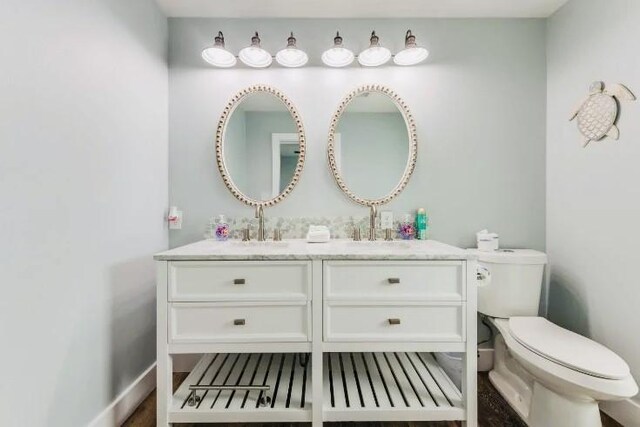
<point>483,274</point>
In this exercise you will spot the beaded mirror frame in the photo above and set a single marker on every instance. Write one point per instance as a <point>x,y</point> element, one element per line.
<point>220,142</point>
<point>413,144</point>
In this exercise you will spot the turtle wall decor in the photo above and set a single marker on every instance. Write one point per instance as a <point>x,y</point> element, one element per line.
<point>598,113</point>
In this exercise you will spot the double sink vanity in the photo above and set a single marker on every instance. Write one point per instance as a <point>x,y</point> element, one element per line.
<point>339,331</point>
<point>290,331</point>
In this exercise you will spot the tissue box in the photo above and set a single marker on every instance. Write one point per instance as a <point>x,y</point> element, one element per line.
<point>488,242</point>
<point>318,234</point>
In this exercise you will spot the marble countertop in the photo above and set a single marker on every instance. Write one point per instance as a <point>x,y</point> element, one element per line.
<point>299,249</point>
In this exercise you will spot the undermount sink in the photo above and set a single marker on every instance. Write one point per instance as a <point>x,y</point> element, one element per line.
<point>258,244</point>
<point>380,244</point>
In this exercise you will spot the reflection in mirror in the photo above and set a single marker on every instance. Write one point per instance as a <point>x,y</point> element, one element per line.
<point>372,145</point>
<point>261,146</point>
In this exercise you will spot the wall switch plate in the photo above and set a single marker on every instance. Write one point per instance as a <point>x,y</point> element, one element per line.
<point>386,219</point>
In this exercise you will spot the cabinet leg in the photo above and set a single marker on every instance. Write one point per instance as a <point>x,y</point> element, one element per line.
<point>316,346</point>
<point>164,393</point>
<point>316,382</point>
<point>164,366</point>
<point>470,370</point>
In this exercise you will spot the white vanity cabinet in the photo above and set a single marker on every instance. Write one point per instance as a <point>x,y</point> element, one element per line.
<point>330,332</point>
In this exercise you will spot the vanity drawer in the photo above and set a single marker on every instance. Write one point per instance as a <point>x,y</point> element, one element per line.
<point>409,321</point>
<point>239,280</point>
<point>396,280</point>
<point>239,322</point>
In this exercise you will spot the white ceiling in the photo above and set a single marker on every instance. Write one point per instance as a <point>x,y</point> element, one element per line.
<point>361,8</point>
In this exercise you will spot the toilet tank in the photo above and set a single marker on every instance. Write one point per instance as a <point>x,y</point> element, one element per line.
<point>510,281</point>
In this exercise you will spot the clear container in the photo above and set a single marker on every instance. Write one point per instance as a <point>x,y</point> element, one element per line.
<point>406,228</point>
<point>221,229</point>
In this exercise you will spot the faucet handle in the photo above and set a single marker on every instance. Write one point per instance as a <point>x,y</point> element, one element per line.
<point>356,234</point>
<point>388,234</point>
<point>246,234</point>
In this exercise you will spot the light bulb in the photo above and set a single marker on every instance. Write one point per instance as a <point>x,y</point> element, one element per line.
<point>255,56</point>
<point>375,54</point>
<point>337,56</point>
<point>217,55</point>
<point>291,56</point>
<point>412,54</point>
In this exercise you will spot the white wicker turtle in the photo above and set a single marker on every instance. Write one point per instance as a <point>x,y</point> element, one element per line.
<point>598,113</point>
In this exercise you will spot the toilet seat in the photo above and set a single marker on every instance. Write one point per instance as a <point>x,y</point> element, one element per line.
<point>562,378</point>
<point>568,348</point>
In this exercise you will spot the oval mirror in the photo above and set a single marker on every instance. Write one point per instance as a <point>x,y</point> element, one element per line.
<point>260,146</point>
<point>372,145</point>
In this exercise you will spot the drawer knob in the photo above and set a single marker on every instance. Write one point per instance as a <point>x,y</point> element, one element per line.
<point>393,280</point>
<point>239,281</point>
<point>394,321</point>
<point>239,322</point>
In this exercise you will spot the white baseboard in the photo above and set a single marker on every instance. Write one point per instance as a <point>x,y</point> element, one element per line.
<point>626,412</point>
<point>123,406</point>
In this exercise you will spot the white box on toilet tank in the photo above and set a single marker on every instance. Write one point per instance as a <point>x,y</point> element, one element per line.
<point>510,282</point>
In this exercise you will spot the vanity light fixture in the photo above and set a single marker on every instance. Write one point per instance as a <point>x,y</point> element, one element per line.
<point>254,55</point>
<point>338,55</point>
<point>412,54</point>
<point>291,56</point>
<point>218,55</point>
<point>375,54</point>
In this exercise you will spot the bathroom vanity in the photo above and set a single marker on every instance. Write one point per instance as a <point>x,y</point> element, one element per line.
<point>297,332</point>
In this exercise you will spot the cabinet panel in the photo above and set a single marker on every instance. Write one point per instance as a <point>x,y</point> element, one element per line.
<point>410,321</point>
<point>239,322</point>
<point>239,280</point>
<point>398,280</point>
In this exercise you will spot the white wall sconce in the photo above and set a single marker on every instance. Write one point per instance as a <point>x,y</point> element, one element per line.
<point>375,55</point>
<point>218,55</point>
<point>412,54</point>
<point>291,56</point>
<point>338,55</point>
<point>254,55</point>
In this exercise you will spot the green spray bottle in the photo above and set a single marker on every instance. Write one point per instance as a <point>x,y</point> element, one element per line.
<point>422,224</point>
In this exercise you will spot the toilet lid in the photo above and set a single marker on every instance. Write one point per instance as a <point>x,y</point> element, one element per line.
<point>567,348</point>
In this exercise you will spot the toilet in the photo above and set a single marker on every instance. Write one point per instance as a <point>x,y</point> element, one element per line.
<point>549,375</point>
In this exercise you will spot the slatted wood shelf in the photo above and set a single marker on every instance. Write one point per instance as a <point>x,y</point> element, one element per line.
<point>289,381</point>
<point>388,387</point>
<point>392,386</point>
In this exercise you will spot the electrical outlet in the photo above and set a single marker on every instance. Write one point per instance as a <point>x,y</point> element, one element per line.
<point>174,218</point>
<point>386,219</point>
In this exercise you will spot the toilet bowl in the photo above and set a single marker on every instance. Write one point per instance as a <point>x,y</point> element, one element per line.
<point>549,375</point>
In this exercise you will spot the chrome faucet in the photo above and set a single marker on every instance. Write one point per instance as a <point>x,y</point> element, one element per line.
<point>260,216</point>
<point>372,223</point>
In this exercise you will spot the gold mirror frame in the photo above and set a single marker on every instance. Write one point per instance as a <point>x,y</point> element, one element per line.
<point>413,144</point>
<point>220,134</point>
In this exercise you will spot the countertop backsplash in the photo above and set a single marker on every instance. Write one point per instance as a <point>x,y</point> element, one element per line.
<point>341,227</point>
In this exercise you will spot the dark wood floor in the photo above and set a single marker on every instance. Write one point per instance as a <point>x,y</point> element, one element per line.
<point>493,411</point>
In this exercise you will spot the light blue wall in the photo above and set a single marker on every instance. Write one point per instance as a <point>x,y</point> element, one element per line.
<point>479,104</point>
<point>593,196</point>
<point>374,152</point>
<point>248,149</point>
<point>260,127</point>
<point>83,179</point>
